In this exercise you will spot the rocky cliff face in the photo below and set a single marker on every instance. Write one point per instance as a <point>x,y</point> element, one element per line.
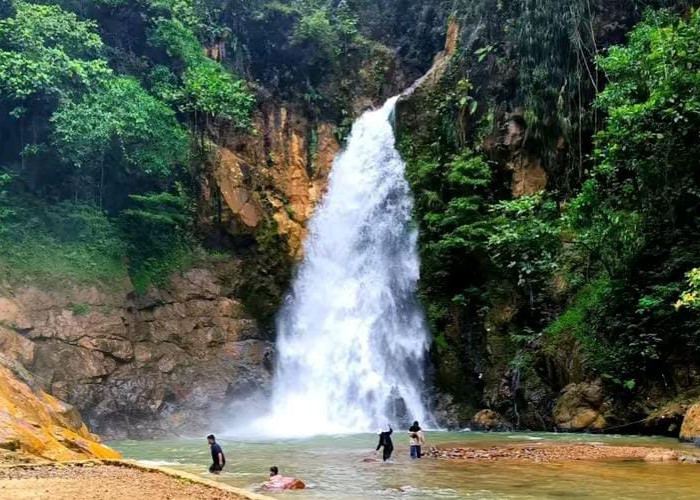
<point>164,362</point>
<point>279,172</point>
<point>37,424</point>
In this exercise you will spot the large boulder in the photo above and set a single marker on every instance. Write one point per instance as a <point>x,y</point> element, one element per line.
<point>489,420</point>
<point>579,407</point>
<point>36,423</point>
<point>690,430</point>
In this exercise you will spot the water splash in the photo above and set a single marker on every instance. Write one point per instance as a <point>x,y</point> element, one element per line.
<point>351,335</point>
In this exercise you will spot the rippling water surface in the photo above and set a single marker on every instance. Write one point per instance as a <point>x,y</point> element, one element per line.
<point>333,467</point>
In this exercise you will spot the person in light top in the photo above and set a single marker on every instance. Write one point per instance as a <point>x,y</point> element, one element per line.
<point>416,438</point>
<point>278,482</point>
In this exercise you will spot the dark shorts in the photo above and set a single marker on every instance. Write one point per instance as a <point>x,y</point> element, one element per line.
<point>216,467</point>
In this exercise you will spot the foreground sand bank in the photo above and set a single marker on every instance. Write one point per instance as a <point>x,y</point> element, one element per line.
<point>110,480</point>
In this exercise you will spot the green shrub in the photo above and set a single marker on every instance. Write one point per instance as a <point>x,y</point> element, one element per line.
<point>59,243</point>
<point>120,125</point>
<point>46,51</point>
<point>80,309</point>
<point>156,230</point>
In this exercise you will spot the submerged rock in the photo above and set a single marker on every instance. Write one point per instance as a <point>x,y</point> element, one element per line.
<point>282,483</point>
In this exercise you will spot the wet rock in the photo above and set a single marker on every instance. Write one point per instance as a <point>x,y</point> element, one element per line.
<point>667,420</point>
<point>281,483</point>
<point>489,420</point>
<point>35,423</point>
<point>162,363</point>
<point>529,177</point>
<point>280,172</point>
<point>579,407</point>
<point>448,414</point>
<point>690,430</point>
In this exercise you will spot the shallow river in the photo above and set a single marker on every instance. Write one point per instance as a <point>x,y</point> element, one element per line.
<point>333,468</point>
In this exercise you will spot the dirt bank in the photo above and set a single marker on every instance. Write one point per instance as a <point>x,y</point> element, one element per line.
<point>554,452</point>
<point>100,482</point>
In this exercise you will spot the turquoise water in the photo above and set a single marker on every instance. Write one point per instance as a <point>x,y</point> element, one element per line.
<point>334,468</point>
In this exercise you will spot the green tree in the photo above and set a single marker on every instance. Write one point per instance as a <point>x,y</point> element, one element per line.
<point>525,241</point>
<point>48,52</point>
<point>638,216</point>
<point>156,228</point>
<point>207,89</point>
<point>648,153</point>
<point>120,125</point>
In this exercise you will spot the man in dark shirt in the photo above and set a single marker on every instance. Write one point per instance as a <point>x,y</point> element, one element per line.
<point>385,441</point>
<point>217,455</point>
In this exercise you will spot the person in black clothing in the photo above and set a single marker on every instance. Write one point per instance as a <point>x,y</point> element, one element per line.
<point>385,441</point>
<point>217,455</point>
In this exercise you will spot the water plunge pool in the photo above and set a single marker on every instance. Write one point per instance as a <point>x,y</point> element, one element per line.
<point>333,468</point>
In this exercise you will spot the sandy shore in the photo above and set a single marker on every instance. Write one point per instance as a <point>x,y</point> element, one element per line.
<point>100,482</point>
<point>554,452</point>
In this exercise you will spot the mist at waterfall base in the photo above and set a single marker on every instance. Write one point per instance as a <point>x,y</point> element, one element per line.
<point>352,339</point>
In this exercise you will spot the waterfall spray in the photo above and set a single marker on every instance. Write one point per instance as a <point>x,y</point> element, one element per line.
<point>351,335</point>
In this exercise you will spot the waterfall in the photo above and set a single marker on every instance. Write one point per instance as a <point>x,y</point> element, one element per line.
<point>351,335</point>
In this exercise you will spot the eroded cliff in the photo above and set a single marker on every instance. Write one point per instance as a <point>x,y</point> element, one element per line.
<point>36,424</point>
<point>166,362</point>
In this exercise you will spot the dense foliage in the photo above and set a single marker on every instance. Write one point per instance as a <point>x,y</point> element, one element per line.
<point>92,127</point>
<point>594,265</point>
<point>639,213</point>
<point>110,107</point>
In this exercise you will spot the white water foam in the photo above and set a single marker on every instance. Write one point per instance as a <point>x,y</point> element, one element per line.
<point>351,336</point>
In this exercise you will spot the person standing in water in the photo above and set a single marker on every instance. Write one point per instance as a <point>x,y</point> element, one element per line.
<point>416,438</point>
<point>386,443</point>
<point>217,455</point>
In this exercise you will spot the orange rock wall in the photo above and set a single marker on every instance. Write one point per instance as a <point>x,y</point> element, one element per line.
<point>280,171</point>
<point>35,422</point>
<point>691,424</point>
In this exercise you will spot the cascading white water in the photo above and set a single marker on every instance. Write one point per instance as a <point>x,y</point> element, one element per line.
<point>351,335</point>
